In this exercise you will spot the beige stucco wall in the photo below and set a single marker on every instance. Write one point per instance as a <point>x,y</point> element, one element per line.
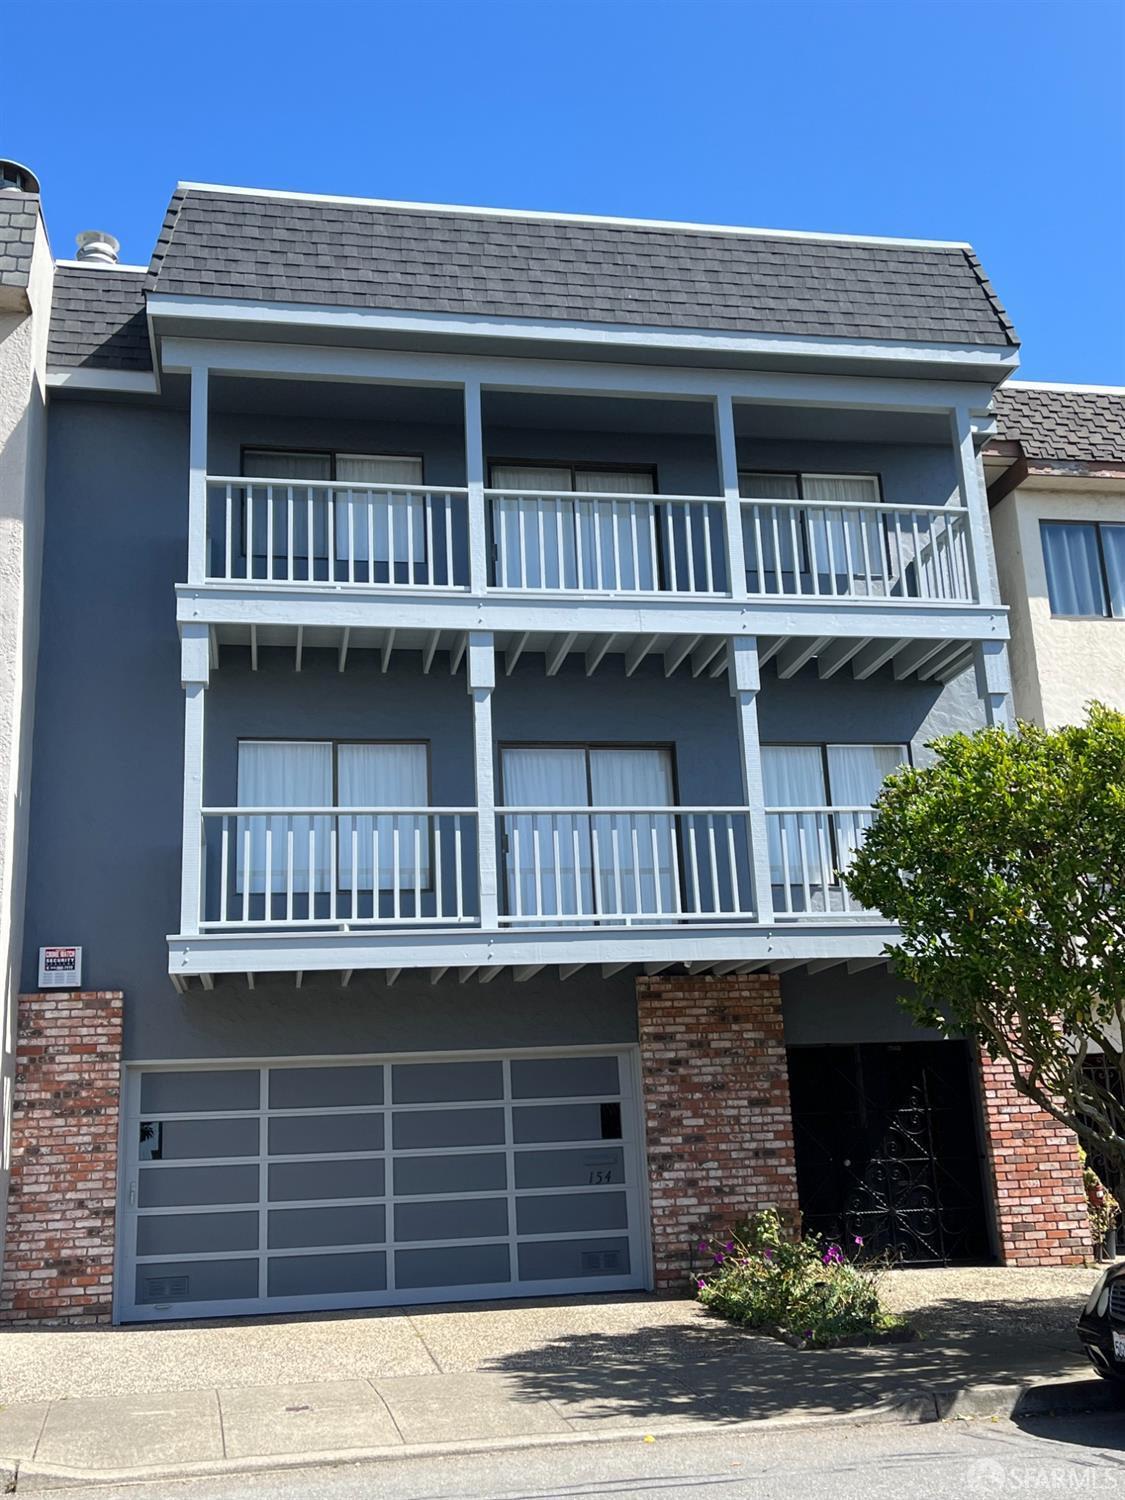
<point>1058,666</point>
<point>23,418</point>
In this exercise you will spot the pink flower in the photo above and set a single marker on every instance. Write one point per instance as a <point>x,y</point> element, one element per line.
<point>701,1283</point>
<point>859,1240</point>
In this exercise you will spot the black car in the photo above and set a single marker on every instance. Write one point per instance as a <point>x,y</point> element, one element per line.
<point>1102,1324</point>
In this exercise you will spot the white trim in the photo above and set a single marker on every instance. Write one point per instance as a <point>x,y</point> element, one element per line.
<point>102,265</point>
<point>138,382</point>
<point>1063,385</point>
<point>543,215</point>
<point>390,320</point>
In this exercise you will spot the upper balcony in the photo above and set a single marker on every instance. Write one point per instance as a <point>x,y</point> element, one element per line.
<point>566,522</point>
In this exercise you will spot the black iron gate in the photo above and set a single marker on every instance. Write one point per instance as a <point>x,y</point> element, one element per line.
<point>888,1149</point>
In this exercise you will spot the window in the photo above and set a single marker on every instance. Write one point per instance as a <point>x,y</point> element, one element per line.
<point>631,852</point>
<point>307,774</point>
<point>1085,563</point>
<point>819,777</point>
<point>803,539</point>
<point>584,543</point>
<point>388,524</point>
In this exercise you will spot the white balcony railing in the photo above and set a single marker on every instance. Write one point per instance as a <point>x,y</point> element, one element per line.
<point>608,543</point>
<point>808,848</point>
<point>281,531</point>
<point>850,550</point>
<point>299,867</point>
<point>618,865</point>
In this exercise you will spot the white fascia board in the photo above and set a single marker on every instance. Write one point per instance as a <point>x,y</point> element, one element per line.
<point>103,265</point>
<point>875,392</point>
<point>279,952</point>
<point>217,311</point>
<point>134,382</point>
<point>357,609</point>
<point>546,216</point>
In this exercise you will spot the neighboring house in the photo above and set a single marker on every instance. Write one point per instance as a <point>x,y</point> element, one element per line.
<point>26,272</point>
<point>471,644</point>
<point>1056,488</point>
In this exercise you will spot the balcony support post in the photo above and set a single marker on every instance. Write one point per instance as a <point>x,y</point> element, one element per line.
<point>474,480</point>
<point>727,448</point>
<point>197,477</point>
<point>994,683</point>
<point>745,683</point>
<point>195,673</point>
<point>971,494</point>
<point>481,673</point>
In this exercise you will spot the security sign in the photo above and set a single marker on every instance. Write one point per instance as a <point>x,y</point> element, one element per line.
<point>60,968</point>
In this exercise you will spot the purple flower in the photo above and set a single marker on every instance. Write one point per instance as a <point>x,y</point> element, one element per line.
<point>767,1255</point>
<point>808,1333</point>
<point>719,1258</point>
<point>729,1246</point>
<point>704,1246</point>
<point>832,1256</point>
<point>701,1283</point>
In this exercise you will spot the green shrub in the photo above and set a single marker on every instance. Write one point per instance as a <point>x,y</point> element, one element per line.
<point>800,1288</point>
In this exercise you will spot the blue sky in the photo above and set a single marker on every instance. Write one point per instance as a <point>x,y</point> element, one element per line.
<point>998,123</point>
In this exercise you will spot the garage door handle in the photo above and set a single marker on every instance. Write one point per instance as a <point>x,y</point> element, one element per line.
<point>132,1195</point>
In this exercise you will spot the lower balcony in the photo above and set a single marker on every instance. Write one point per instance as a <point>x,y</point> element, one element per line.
<point>305,888</point>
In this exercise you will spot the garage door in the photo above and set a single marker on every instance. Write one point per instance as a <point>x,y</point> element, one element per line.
<point>379,1181</point>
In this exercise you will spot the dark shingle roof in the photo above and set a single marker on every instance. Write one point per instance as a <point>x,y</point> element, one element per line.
<point>98,320</point>
<point>348,254</point>
<point>1066,426</point>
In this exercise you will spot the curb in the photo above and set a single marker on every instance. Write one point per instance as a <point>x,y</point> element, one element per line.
<point>967,1403</point>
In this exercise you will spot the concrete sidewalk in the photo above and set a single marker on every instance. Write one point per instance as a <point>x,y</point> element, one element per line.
<point>107,1403</point>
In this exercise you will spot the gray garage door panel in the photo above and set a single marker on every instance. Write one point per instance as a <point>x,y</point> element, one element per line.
<point>379,1182</point>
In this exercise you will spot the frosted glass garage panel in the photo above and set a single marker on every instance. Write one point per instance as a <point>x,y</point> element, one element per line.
<point>468,1219</point>
<point>564,1077</point>
<point>326,1275</point>
<point>446,1083</point>
<point>200,1092</point>
<point>308,1135</point>
<point>197,1281</point>
<point>419,1175</point>
<point>196,1234</point>
<point>347,1224</point>
<point>180,1187</point>
<point>570,1260</point>
<point>460,1265</point>
<point>425,1129</point>
<point>566,1122</point>
<point>586,1167</point>
<point>564,1213</point>
<point>183,1140</point>
<point>324,1088</point>
<point>297,1181</point>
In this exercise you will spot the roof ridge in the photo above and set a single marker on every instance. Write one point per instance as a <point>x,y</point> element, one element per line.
<point>603,220</point>
<point>1063,387</point>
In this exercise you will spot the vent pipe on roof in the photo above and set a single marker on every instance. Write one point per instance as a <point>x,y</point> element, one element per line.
<point>99,247</point>
<point>16,178</point>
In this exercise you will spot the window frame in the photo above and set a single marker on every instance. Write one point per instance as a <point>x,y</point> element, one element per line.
<point>334,742</point>
<point>800,475</point>
<point>580,466</point>
<point>1103,573</point>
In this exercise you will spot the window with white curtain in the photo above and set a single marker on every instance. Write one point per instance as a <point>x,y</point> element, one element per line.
<point>392,524</point>
<point>552,539</point>
<point>563,863</point>
<point>812,777</point>
<point>840,543</point>
<point>1085,562</point>
<point>276,774</point>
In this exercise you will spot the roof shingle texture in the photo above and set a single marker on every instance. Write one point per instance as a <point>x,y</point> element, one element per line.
<point>19,213</point>
<point>1066,426</point>
<point>98,320</point>
<point>265,249</point>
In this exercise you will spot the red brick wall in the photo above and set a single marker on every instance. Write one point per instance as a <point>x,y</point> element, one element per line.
<point>1036,1177</point>
<point>58,1261</point>
<point>717,1119</point>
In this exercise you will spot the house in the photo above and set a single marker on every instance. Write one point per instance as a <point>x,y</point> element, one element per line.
<point>471,643</point>
<point>1056,489</point>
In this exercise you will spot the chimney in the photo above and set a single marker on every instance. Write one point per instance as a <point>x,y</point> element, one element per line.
<point>98,247</point>
<point>16,178</point>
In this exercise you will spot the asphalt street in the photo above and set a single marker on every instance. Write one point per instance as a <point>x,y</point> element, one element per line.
<point>1042,1457</point>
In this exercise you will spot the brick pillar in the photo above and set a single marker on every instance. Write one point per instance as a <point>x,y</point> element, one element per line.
<point>717,1119</point>
<point>1036,1177</point>
<point>62,1205</point>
